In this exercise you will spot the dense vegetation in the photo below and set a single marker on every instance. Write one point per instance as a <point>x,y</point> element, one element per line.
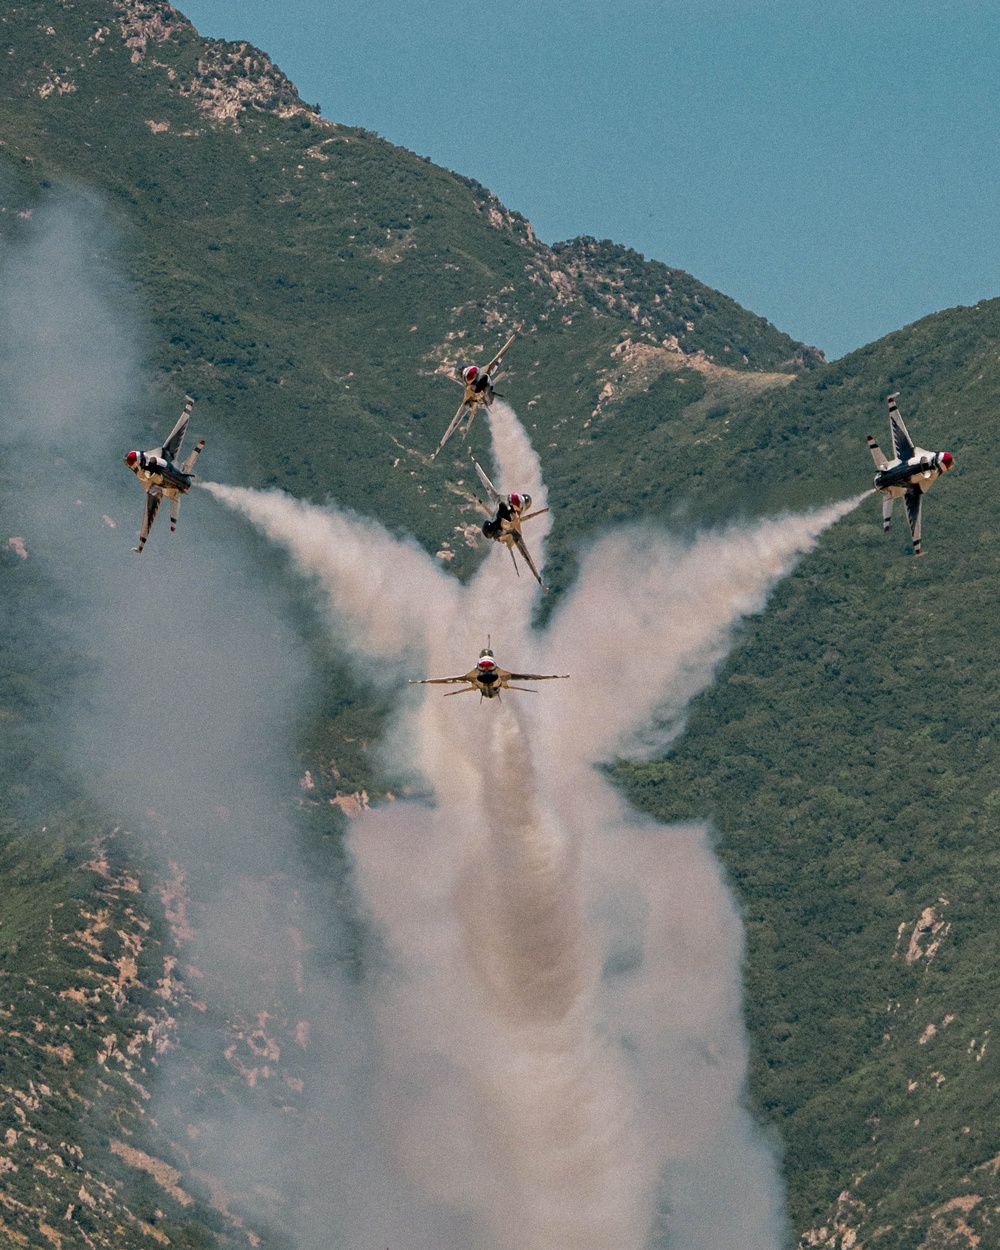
<point>848,756</point>
<point>305,281</point>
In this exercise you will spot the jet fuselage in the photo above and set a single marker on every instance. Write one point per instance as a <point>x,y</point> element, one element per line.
<point>487,680</point>
<point>922,468</point>
<point>153,470</point>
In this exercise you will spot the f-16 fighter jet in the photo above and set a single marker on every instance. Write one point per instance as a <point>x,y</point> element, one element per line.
<point>909,474</point>
<point>161,478</point>
<point>478,385</point>
<point>489,678</point>
<point>505,526</point>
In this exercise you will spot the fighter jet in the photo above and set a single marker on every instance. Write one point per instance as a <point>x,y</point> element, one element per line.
<point>161,478</point>
<point>489,678</point>
<point>478,385</point>
<point>909,474</point>
<point>505,526</point>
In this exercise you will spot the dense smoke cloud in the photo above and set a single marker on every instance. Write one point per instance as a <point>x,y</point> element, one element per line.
<point>560,1008</point>
<point>548,1052</point>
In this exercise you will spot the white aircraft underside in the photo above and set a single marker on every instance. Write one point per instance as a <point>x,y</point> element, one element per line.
<point>911,472</point>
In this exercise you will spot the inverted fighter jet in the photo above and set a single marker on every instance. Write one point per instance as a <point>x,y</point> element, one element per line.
<point>909,474</point>
<point>505,526</point>
<point>161,478</point>
<point>489,678</point>
<point>478,385</point>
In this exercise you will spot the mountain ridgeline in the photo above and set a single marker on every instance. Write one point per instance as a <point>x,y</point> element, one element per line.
<point>310,285</point>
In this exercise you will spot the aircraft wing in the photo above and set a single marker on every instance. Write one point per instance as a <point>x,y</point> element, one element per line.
<point>527,558</point>
<point>902,444</point>
<point>444,681</point>
<point>913,499</point>
<point>534,676</point>
<point>498,358</point>
<point>154,498</point>
<point>456,419</point>
<point>172,446</point>
<point>488,486</point>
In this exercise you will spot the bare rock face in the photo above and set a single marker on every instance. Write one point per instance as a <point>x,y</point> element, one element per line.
<point>145,21</point>
<point>928,934</point>
<point>229,78</point>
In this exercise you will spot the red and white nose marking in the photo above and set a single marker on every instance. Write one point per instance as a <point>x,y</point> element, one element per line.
<point>131,458</point>
<point>947,459</point>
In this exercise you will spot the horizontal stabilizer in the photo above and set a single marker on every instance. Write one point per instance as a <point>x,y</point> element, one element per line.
<point>188,464</point>
<point>878,455</point>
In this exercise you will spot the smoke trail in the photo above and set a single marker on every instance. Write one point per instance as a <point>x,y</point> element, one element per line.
<point>551,1050</point>
<point>180,719</point>
<point>559,1014</point>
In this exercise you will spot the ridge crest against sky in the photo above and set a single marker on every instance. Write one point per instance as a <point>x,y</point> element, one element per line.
<point>832,169</point>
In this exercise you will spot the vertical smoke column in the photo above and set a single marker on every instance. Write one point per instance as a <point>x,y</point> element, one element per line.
<point>575,1152</point>
<point>504,1097</point>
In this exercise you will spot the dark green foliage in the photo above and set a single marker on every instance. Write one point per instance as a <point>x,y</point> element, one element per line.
<point>848,756</point>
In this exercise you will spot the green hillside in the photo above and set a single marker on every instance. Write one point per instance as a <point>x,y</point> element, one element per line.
<point>309,283</point>
<point>848,755</point>
<point>301,272</point>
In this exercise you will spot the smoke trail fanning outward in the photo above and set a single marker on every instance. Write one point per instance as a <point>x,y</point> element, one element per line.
<point>558,1018</point>
<point>549,1053</point>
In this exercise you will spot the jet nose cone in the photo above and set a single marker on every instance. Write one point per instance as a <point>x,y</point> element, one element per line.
<point>131,458</point>
<point>947,460</point>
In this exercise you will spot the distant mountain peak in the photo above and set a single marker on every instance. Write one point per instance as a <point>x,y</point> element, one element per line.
<point>672,307</point>
<point>229,78</point>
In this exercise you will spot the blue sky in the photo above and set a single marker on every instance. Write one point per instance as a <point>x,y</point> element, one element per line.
<point>833,166</point>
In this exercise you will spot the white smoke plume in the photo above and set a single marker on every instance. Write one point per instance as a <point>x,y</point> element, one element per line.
<point>549,1051</point>
<point>180,716</point>
<point>558,1013</point>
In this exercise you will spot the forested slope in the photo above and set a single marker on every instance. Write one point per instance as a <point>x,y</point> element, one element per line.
<point>848,756</point>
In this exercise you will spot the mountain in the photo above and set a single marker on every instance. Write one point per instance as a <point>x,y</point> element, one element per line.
<point>310,284</point>
<point>291,265</point>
